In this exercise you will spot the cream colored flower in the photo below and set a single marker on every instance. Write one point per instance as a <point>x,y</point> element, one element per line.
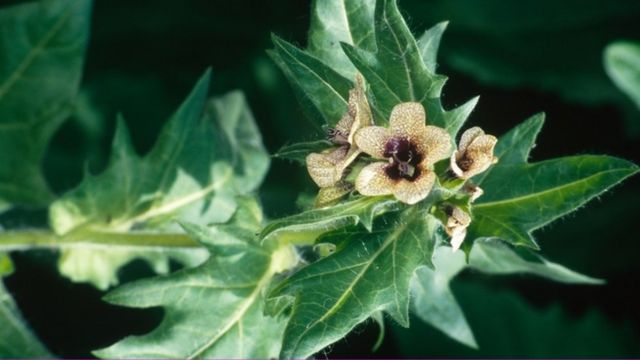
<point>473,190</point>
<point>475,153</point>
<point>327,168</point>
<point>456,226</point>
<point>410,146</point>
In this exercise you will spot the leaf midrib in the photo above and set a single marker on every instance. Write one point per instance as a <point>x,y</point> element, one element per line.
<point>33,53</point>
<point>343,298</point>
<point>315,74</point>
<point>237,316</point>
<point>402,55</point>
<point>543,192</point>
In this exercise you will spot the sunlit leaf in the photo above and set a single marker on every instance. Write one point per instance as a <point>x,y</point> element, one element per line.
<point>214,310</point>
<point>206,154</point>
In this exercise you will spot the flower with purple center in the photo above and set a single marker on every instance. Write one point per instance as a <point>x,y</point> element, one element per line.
<point>410,147</point>
<point>474,154</point>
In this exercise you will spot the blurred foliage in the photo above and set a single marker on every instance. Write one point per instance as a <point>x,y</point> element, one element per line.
<point>553,46</point>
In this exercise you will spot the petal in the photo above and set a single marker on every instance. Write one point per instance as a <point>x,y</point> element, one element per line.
<point>373,180</point>
<point>330,195</point>
<point>480,153</point>
<point>410,192</point>
<point>453,164</point>
<point>372,140</point>
<point>474,190</point>
<point>457,238</point>
<point>468,136</point>
<point>359,108</point>
<point>407,118</point>
<point>484,144</point>
<point>324,168</point>
<point>436,143</point>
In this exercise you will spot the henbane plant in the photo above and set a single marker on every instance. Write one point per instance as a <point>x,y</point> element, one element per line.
<point>406,198</point>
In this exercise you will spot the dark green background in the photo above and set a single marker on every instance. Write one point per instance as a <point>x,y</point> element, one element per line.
<point>522,57</point>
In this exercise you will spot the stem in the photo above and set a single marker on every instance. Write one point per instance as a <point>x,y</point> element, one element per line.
<point>41,239</point>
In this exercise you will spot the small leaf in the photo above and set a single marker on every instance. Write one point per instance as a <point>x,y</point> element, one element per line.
<point>42,47</point>
<point>213,311</point>
<point>369,272</point>
<point>536,194</point>
<point>298,152</point>
<point>622,63</point>
<point>201,160</point>
<point>305,227</point>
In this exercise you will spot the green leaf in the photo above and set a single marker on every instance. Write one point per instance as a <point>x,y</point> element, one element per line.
<point>322,92</point>
<point>493,256</point>
<point>42,47</point>
<point>370,271</point>
<point>298,152</point>
<point>429,43</point>
<point>508,326</point>
<point>6,266</point>
<point>514,146</point>
<point>622,63</point>
<point>16,339</point>
<point>205,155</point>
<point>337,21</point>
<point>213,311</point>
<point>344,40</point>
<point>553,46</point>
<point>521,198</point>
<point>305,227</point>
<point>397,71</point>
<point>432,299</point>
<point>434,303</point>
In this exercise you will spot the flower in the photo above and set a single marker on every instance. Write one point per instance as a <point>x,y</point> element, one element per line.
<point>411,148</point>
<point>327,168</point>
<point>456,227</point>
<point>475,153</point>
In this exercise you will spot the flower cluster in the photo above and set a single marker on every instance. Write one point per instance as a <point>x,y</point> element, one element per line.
<point>401,158</point>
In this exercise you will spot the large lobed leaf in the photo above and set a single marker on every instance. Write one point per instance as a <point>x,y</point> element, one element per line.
<point>370,271</point>
<point>434,303</point>
<point>214,310</point>
<point>42,46</point>
<point>521,197</point>
<point>206,154</point>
